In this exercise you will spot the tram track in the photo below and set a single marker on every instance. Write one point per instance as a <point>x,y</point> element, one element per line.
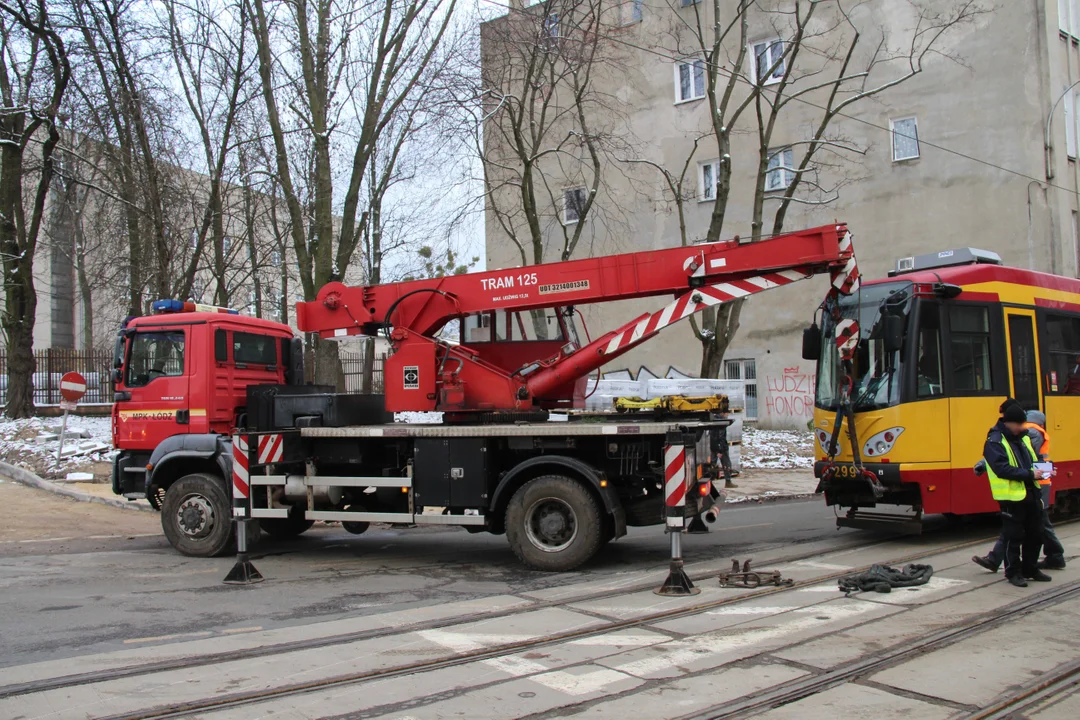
<point>800,688</point>
<point>1062,682</point>
<point>194,661</point>
<point>243,698</point>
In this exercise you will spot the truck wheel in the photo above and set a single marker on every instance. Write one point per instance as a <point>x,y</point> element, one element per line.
<point>553,523</point>
<point>355,527</point>
<point>196,516</point>
<point>289,527</point>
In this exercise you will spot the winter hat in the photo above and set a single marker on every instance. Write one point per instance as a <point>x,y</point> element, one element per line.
<point>1012,412</point>
<point>1034,416</point>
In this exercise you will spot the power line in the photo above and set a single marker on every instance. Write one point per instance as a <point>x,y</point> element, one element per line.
<point>740,78</point>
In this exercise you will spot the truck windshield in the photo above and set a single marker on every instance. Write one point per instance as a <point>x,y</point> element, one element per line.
<point>154,355</point>
<point>876,373</point>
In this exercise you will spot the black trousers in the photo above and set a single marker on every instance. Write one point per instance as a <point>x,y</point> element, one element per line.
<point>1021,526</point>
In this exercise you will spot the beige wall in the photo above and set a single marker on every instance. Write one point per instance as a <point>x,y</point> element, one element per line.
<point>993,107</point>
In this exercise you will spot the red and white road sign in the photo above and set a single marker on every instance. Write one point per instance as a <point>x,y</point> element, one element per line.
<point>72,386</point>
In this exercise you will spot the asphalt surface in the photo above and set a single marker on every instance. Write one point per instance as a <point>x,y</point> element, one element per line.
<point>84,591</point>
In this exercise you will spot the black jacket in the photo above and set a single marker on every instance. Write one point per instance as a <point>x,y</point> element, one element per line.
<point>998,459</point>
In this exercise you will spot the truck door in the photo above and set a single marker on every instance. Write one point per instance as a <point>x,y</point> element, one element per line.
<point>156,374</point>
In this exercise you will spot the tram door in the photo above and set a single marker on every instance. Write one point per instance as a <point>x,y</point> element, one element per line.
<point>1023,358</point>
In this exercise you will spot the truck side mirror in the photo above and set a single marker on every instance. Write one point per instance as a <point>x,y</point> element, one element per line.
<point>892,332</point>
<point>811,343</point>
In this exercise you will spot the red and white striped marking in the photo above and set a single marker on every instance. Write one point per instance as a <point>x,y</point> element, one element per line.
<point>271,448</point>
<point>847,337</point>
<point>240,468</point>
<point>847,279</point>
<point>648,325</point>
<point>675,475</point>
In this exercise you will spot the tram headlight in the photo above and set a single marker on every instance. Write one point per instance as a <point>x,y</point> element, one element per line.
<point>882,442</point>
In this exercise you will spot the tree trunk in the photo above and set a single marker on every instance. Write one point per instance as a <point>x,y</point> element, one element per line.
<point>367,369</point>
<point>720,325</point>
<point>85,291</point>
<point>20,300</point>
<point>367,373</point>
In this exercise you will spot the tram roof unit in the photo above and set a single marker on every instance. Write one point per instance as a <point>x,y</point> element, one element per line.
<point>978,278</point>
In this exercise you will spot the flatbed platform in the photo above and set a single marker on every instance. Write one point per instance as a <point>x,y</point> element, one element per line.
<point>624,426</point>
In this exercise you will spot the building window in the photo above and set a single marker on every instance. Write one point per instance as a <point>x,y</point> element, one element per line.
<point>1071,122</point>
<point>1076,240</point>
<point>689,80</point>
<point>275,258</point>
<point>905,139</point>
<point>781,171</point>
<point>226,245</point>
<point>1069,108</point>
<point>1069,17</point>
<point>573,205</point>
<point>551,26</point>
<point>688,3</point>
<point>631,11</point>
<point>744,369</point>
<point>707,176</point>
<point>768,55</point>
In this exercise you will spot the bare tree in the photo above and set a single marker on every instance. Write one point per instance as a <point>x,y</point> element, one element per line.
<point>545,131</point>
<point>311,53</point>
<point>209,45</point>
<point>34,75</point>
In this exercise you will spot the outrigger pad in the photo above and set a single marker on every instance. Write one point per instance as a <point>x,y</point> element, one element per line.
<point>243,573</point>
<point>677,584</point>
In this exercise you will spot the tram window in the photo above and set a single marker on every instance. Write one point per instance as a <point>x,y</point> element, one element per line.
<point>929,365</point>
<point>1063,354</point>
<point>970,343</point>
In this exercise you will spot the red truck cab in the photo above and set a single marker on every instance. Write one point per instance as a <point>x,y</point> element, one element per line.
<point>181,387</point>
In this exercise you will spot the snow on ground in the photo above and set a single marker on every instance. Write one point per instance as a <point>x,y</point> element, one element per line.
<point>777,449</point>
<point>20,445</point>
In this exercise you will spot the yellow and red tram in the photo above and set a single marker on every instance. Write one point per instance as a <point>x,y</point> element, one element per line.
<point>974,332</point>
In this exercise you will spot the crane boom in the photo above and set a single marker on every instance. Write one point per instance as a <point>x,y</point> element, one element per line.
<point>496,371</point>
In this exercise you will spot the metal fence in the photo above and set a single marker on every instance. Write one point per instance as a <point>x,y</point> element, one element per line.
<point>352,366</point>
<point>52,363</point>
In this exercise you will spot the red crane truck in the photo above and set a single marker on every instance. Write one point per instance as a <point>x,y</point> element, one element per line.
<point>210,405</point>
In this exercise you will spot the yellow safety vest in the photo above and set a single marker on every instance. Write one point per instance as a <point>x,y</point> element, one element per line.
<point>1010,490</point>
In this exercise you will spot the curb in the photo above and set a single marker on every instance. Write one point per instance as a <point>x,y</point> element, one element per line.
<point>25,477</point>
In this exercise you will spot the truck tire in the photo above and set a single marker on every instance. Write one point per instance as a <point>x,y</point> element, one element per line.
<point>355,527</point>
<point>554,524</point>
<point>289,527</point>
<point>196,516</point>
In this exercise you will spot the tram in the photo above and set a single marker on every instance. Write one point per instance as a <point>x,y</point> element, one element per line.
<point>944,339</point>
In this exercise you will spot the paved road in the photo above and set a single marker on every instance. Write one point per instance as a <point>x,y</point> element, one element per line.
<point>110,581</point>
<point>964,641</point>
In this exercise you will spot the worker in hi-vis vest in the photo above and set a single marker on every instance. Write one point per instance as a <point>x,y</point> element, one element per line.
<point>1014,483</point>
<point>1052,547</point>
